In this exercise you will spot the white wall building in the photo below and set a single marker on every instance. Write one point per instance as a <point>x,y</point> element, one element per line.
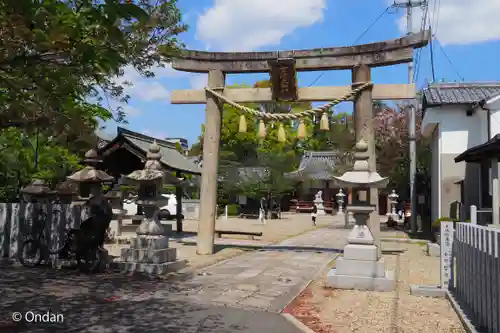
<point>459,116</point>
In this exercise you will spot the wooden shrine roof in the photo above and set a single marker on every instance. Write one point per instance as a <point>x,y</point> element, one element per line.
<point>170,157</point>
<point>316,165</point>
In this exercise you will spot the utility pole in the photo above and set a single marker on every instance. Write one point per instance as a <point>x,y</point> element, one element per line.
<point>409,5</point>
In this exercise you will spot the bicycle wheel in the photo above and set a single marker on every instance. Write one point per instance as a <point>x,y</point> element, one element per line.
<point>31,253</point>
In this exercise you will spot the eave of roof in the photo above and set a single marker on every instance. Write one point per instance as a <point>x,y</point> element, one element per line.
<point>316,165</point>
<point>171,158</point>
<point>442,94</point>
<point>482,152</point>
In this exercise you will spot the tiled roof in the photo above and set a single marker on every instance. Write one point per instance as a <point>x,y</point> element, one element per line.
<point>169,155</point>
<point>459,93</point>
<point>316,165</point>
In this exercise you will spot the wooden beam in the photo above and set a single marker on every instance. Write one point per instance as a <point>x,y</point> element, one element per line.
<point>384,53</point>
<point>320,63</point>
<point>309,94</point>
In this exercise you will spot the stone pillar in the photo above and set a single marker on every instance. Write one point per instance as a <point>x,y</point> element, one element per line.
<point>389,206</point>
<point>178,197</point>
<point>363,122</point>
<point>363,119</point>
<point>211,141</point>
<point>495,200</point>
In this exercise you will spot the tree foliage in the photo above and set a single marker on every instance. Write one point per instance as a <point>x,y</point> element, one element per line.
<point>392,142</point>
<point>18,167</point>
<point>60,63</point>
<point>55,55</point>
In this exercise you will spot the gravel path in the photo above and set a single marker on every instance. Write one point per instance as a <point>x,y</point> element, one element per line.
<point>341,311</point>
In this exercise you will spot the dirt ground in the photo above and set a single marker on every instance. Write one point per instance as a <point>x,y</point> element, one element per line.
<point>273,231</point>
<point>327,310</point>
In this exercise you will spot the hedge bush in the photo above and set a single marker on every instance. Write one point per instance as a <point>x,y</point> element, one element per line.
<point>233,210</point>
<point>437,223</point>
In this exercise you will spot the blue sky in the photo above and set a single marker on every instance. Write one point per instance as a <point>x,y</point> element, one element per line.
<point>467,30</point>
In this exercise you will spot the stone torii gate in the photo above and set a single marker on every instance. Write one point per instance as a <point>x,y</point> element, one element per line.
<point>282,65</point>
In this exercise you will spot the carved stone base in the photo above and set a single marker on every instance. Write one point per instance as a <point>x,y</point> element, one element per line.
<point>320,208</point>
<point>149,254</point>
<point>361,268</point>
<point>150,227</point>
<point>349,220</point>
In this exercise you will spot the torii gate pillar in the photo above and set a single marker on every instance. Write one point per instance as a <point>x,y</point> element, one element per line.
<point>363,120</point>
<point>211,139</point>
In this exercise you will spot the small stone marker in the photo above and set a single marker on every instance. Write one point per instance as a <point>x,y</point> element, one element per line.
<point>446,253</point>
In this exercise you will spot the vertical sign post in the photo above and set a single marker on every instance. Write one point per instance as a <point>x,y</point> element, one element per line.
<point>446,254</point>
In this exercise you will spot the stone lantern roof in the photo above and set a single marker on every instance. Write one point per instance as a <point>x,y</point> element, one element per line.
<point>37,188</point>
<point>361,176</point>
<point>90,174</point>
<point>152,171</point>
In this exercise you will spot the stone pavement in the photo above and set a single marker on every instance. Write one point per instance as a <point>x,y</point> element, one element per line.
<point>270,278</point>
<point>242,294</point>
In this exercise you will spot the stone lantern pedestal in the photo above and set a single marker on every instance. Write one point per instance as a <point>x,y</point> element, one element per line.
<point>115,198</point>
<point>361,267</point>
<point>149,252</point>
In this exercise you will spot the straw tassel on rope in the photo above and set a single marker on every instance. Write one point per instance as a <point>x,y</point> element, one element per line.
<point>301,132</point>
<point>281,133</point>
<point>262,129</point>
<point>324,122</point>
<point>243,124</point>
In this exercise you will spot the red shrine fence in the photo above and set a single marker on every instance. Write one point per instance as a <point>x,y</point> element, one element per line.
<point>475,274</point>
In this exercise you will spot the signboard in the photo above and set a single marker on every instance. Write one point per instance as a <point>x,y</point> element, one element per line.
<point>421,199</point>
<point>283,79</point>
<point>446,253</point>
<point>242,199</point>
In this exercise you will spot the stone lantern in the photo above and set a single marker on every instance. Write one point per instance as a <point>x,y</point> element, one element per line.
<point>361,268</point>
<point>393,199</point>
<point>37,192</point>
<point>90,179</point>
<point>149,251</point>
<point>67,191</point>
<point>340,201</point>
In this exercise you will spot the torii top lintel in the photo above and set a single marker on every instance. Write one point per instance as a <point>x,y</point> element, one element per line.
<point>389,52</point>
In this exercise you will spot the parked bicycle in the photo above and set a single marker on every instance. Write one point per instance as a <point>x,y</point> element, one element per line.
<point>35,247</point>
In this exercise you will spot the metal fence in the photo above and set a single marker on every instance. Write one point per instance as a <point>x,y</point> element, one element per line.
<point>476,274</point>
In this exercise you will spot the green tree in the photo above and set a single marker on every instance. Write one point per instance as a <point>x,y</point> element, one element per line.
<point>55,55</point>
<point>18,167</point>
<point>60,63</point>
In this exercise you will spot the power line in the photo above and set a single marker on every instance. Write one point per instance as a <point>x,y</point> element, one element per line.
<point>371,25</point>
<point>359,37</point>
<point>418,57</point>
<point>449,60</point>
<point>433,71</point>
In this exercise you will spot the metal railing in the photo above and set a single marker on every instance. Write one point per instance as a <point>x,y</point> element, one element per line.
<point>475,281</point>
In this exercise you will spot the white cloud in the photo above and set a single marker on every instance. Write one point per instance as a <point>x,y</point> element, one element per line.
<point>460,21</point>
<point>242,25</point>
<point>147,89</point>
